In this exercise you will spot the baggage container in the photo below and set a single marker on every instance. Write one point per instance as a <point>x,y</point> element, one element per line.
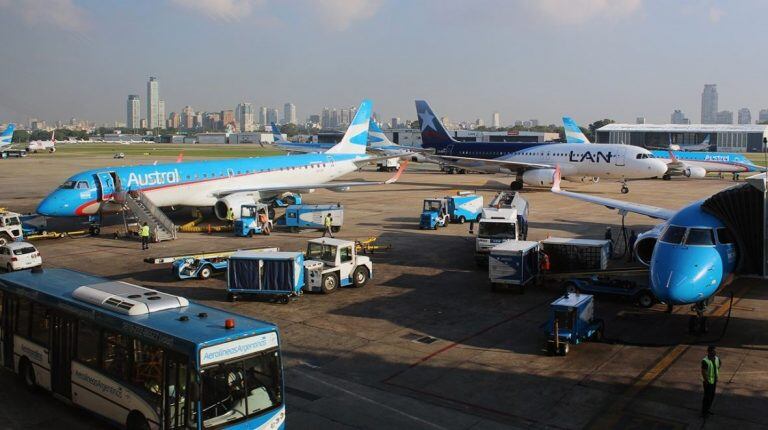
<point>570,255</point>
<point>513,264</point>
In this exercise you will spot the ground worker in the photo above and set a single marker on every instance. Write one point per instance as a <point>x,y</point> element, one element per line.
<point>144,234</point>
<point>264,221</point>
<point>230,216</point>
<point>710,372</point>
<point>327,223</point>
<point>545,265</point>
<point>632,241</point>
<point>609,237</point>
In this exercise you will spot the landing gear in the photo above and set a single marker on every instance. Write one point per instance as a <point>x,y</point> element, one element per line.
<point>516,185</point>
<point>624,187</point>
<point>697,324</point>
<point>666,177</point>
<point>95,228</point>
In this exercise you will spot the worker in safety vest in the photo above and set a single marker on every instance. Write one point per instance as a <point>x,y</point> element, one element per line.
<point>230,216</point>
<point>264,221</point>
<point>545,264</point>
<point>327,224</point>
<point>710,373</point>
<point>144,234</point>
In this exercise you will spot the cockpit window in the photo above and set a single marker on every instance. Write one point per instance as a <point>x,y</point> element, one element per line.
<point>700,236</point>
<point>724,235</point>
<point>67,185</point>
<point>82,185</point>
<point>673,234</point>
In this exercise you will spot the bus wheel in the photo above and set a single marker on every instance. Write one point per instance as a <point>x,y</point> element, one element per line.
<point>136,421</point>
<point>27,373</point>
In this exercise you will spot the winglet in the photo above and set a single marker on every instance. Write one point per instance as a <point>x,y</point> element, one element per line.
<point>400,171</point>
<point>556,180</point>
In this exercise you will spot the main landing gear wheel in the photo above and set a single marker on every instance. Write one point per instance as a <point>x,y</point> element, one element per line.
<point>516,185</point>
<point>624,189</point>
<point>666,177</point>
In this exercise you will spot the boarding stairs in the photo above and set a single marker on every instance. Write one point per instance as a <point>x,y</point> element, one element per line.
<point>144,210</point>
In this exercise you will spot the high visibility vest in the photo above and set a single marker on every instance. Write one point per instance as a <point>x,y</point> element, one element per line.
<point>713,370</point>
<point>230,214</point>
<point>328,221</point>
<point>144,231</point>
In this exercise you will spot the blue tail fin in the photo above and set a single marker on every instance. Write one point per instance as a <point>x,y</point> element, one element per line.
<point>376,136</point>
<point>433,133</point>
<point>7,135</point>
<point>573,133</point>
<point>276,135</point>
<point>356,137</point>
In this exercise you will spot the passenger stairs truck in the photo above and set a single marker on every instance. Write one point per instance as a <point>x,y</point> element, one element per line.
<point>506,220</point>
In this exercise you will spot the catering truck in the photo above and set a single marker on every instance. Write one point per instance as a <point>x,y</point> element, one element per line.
<point>506,219</point>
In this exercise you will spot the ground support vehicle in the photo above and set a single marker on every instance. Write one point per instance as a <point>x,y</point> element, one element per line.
<point>434,214</point>
<point>333,263</point>
<point>505,220</point>
<point>297,217</point>
<point>513,264</point>
<point>10,226</point>
<point>462,207</point>
<point>568,255</point>
<point>248,224</point>
<point>388,165</point>
<point>278,275</point>
<point>597,284</point>
<point>200,266</point>
<point>571,322</point>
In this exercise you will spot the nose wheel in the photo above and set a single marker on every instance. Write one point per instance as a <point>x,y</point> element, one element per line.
<point>697,324</point>
<point>624,187</point>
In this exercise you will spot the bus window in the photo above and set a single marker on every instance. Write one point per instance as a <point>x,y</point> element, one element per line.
<point>22,318</point>
<point>38,332</point>
<point>177,413</point>
<point>147,368</point>
<point>87,344</point>
<point>114,355</point>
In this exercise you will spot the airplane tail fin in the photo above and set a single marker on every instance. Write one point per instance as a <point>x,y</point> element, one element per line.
<point>376,136</point>
<point>276,135</point>
<point>573,133</point>
<point>356,137</point>
<point>7,135</point>
<point>433,133</point>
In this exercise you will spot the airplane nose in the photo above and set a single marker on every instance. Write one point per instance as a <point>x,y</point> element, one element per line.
<point>684,275</point>
<point>50,206</point>
<point>658,168</point>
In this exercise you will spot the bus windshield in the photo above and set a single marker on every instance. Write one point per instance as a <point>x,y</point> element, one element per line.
<point>501,230</point>
<point>236,390</point>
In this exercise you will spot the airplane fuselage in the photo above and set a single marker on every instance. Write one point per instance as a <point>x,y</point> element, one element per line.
<point>711,161</point>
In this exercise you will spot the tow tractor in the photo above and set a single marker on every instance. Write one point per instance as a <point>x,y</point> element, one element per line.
<point>331,263</point>
<point>248,223</point>
<point>434,214</point>
<point>571,322</point>
<point>200,266</point>
<point>11,228</point>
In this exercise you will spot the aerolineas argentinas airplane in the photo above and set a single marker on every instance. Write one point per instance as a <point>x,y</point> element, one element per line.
<point>691,254</point>
<point>534,163</point>
<point>221,184</point>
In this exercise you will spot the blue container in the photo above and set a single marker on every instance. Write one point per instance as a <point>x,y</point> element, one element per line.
<point>279,274</point>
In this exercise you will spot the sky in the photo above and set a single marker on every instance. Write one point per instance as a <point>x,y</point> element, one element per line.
<point>542,59</point>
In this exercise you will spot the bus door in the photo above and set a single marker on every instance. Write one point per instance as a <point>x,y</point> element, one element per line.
<point>7,312</point>
<point>62,352</point>
<point>177,410</point>
<point>106,184</point>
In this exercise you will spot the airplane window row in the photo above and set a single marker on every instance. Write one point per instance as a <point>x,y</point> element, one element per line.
<point>70,184</point>
<point>677,235</point>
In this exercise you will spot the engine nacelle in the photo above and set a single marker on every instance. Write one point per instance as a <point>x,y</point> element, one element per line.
<point>234,201</point>
<point>539,177</point>
<point>646,243</point>
<point>694,172</point>
<point>583,179</point>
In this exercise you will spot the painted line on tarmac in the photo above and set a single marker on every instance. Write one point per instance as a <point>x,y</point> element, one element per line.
<point>369,400</point>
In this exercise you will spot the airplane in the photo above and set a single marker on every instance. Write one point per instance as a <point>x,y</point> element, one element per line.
<point>7,135</point>
<point>43,145</point>
<point>221,184</point>
<point>703,146</point>
<point>534,163</point>
<point>683,163</point>
<point>691,254</point>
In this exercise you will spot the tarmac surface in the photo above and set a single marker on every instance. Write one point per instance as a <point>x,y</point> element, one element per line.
<point>426,344</point>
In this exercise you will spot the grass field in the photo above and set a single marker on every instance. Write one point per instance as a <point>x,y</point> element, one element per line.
<point>757,158</point>
<point>162,150</point>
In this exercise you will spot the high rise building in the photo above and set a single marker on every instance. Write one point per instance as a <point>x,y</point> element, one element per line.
<point>395,122</point>
<point>174,121</point>
<point>345,117</point>
<point>133,119</point>
<point>212,121</point>
<point>187,117</point>
<point>709,104</point>
<point>745,116</point>
<point>227,117</point>
<point>289,113</point>
<point>263,116</point>
<point>479,122</point>
<point>334,118</point>
<point>143,123</point>
<point>678,117</point>
<point>244,114</point>
<point>640,120</point>
<point>161,114</point>
<point>272,116</point>
<point>198,122</point>
<point>724,117</point>
<point>325,121</point>
<point>496,120</point>
<point>762,116</point>
<point>153,102</point>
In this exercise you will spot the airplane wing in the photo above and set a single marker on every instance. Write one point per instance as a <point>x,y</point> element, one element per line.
<point>299,188</point>
<point>621,206</point>
<point>303,147</point>
<point>495,162</point>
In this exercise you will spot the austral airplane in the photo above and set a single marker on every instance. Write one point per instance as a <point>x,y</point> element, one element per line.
<point>221,184</point>
<point>692,253</point>
<point>688,164</point>
<point>534,163</point>
<point>7,135</point>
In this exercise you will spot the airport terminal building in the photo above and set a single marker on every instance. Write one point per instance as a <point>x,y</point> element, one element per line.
<point>722,137</point>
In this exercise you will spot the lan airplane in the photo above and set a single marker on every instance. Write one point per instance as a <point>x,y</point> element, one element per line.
<point>534,163</point>
<point>682,163</point>
<point>221,184</point>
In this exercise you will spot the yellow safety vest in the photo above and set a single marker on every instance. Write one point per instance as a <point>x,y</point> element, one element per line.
<point>713,370</point>
<point>144,231</point>
<point>230,215</point>
<point>328,221</point>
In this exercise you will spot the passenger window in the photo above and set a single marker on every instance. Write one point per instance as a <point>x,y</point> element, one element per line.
<point>700,236</point>
<point>346,254</point>
<point>114,356</point>
<point>22,317</point>
<point>724,235</point>
<point>673,234</point>
<point>38,332</point>
<point>87,344</point>
<point>147,367</point>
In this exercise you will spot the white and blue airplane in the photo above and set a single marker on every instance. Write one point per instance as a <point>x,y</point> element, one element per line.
<point>221,184</point>
<point>684,163</point>
<point>7,136</point>
<point>691,254</point>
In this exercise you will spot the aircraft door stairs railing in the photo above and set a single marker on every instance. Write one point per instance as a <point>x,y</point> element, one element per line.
<point>144,210</point>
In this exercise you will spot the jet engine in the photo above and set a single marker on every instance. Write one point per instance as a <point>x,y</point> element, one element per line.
<point>694,172</point>
<point>645,244</point>
<point>539,177</point>
<point>583,179</point>
<point>234,201</point>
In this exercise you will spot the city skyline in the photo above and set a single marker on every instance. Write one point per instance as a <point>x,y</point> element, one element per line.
<point>615,67</point>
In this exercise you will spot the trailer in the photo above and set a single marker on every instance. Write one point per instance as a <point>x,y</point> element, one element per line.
<point>571,322</point>
<point>513,264</point>
<point>200,266</point>
<point>566,254</point>
<point>297,217</point>
<point>617,287</point>
<point>277,275</point>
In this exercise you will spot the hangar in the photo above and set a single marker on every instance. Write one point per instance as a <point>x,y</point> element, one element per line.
<point>722,137</point>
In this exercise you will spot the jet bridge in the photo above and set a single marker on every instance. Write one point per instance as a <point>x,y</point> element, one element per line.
<point>743,210</point>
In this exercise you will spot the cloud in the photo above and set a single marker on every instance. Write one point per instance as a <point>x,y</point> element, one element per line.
<point>223,10</point>
<point>715,13</point>
<point>581,11</point>
<point>341,14</point>
<point>61,14</point>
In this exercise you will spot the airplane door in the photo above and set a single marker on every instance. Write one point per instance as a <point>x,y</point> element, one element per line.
<point>106,185</point>
<point>618,156</point>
